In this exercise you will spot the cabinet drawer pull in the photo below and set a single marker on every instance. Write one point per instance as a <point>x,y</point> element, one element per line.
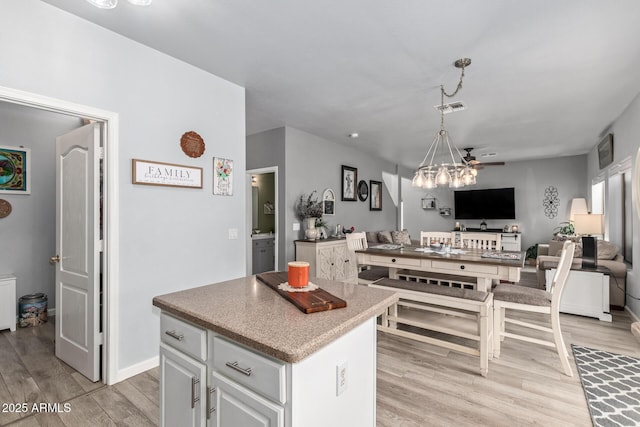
<point>194,381</point>
<point>210,408</point>
<point>234,365</point>
<point>393,260</point>
<point>174,334</point>
<point>462,267</point>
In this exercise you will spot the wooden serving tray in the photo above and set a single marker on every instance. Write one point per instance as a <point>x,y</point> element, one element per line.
<point>307,302</point>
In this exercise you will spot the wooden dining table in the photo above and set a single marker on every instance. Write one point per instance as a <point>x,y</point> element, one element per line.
<point>483,265</point>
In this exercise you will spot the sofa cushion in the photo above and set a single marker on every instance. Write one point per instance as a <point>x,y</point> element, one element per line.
<point>606,250</point>
<point>401,237</point>
<point>385,237</point>
<point>372,236</point>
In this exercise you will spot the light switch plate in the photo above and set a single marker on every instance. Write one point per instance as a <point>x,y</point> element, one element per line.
<point>296,226</point>
<point>233,233</point>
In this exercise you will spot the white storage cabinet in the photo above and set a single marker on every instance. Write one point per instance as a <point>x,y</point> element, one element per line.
<point>8,302</point>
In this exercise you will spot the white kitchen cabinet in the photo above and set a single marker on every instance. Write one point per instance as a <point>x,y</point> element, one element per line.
<point>8,302</point>
<point>233,405</point>
<point>183,374</point>
<point>328,259</point>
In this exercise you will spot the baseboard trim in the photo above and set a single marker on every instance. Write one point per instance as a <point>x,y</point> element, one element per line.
<point>632,314</point>
<point>136,369</point>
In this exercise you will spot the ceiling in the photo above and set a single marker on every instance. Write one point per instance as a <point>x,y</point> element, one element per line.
<point>548,77</point>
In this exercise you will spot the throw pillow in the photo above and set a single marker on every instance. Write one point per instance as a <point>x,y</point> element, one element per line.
<point>385,237</point>
<point>372,236</point>
<point>401,237</point>
<point>606,250</point>
<point>576,254</point>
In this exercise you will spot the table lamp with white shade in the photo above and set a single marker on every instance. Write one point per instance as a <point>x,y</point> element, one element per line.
<point>578,206</point>
<point>588,225</point>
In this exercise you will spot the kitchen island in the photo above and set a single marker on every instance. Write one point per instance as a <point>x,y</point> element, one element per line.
<point>236,353</point>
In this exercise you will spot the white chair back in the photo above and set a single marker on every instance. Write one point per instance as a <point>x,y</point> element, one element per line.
<point>491,241</point>
<point>562,273</point>
<point>357,241</point>
<point>429,237</point>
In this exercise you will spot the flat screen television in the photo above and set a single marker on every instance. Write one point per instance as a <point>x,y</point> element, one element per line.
<point>494,203</point>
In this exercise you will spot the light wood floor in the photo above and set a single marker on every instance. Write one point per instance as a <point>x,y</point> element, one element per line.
<point>418,384</point>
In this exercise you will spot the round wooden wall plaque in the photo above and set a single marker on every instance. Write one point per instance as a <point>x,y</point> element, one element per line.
<point>5,208</point>
<point>192,144</point>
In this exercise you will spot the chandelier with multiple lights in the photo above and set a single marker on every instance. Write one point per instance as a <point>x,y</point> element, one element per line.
<point>110,4</point>
<point>456,173</point>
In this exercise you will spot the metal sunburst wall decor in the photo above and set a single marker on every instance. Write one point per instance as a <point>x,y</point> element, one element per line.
<point>551,202</point>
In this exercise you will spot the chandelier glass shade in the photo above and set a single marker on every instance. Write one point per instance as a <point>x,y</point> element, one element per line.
<point>444,165</point>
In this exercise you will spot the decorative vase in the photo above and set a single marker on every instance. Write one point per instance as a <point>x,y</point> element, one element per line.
<point>310,231</point>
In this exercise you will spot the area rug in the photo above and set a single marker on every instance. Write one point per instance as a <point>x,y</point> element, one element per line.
<point>611,384</point>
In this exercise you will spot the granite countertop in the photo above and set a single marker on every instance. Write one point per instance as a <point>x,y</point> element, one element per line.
<point>248,311</point>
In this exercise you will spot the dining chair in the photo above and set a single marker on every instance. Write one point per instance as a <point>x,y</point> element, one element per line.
<point>490,241</point>
<point>428,238</point>
<point>524,299</point>
<point>366,274</point>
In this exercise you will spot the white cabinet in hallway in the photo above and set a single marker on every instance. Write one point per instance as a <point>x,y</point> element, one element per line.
<point>328,259</point>
<point>8,302</point>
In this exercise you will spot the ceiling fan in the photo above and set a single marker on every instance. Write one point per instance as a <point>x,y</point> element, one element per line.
<point>471,160</point>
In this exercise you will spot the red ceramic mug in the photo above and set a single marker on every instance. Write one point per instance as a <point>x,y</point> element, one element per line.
<point>298,274</point>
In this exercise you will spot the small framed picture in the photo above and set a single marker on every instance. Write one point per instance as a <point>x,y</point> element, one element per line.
<point>375,198</point>
<point>328,202</point>
<point>15,170</point>
<point>605,151</point>
<point>349,180</point>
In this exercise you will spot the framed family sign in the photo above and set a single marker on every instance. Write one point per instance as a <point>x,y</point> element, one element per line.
<point>328,202</point>
<point>146,172</point>
<point>15,170</point>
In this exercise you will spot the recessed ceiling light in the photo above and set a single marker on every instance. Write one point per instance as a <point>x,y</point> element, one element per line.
<point>140,2</point>
<point>353,135</point>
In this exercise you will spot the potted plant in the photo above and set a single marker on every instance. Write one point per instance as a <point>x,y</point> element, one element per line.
<point>564,229</point>
<point>309,210</point>
<point>532,254</point>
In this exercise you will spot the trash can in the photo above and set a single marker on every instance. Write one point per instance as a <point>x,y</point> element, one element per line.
<point>33,310</point>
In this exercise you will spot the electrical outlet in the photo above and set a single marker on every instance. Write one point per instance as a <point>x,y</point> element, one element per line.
<point>233,233</point>
<point>342,378</point>
<point>296,226</point>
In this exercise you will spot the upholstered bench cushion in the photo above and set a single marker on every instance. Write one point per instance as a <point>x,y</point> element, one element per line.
<point>468,294</point>
<point>374,273</point>
<point>522,295</point>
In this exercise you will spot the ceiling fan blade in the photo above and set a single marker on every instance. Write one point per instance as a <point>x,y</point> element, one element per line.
<point>492,163</point>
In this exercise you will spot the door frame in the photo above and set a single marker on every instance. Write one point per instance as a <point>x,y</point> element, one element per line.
<point>110,258</point>
<point>248,216</point>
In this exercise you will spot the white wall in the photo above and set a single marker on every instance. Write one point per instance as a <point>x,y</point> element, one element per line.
<point>530,179</point>
<point>170,238</point>
<point>314,163</point>
<point>28,234</point>
<point>626,143</point>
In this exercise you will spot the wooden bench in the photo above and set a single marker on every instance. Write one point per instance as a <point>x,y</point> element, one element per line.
<point>458,312</point>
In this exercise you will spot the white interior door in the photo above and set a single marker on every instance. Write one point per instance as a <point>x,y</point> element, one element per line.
<point>78,337</point>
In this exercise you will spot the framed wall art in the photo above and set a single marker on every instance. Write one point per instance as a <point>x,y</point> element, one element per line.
<point>15,170</point>
<point>349,180</point>
<point>146,172</point>
<point>222,176</point>
<point>375,199</point>
<point>605,151</point>
<point>328,202</point>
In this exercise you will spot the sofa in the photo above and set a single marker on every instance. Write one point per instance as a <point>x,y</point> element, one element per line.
<point>390,236</point>
<point>608,256</point>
